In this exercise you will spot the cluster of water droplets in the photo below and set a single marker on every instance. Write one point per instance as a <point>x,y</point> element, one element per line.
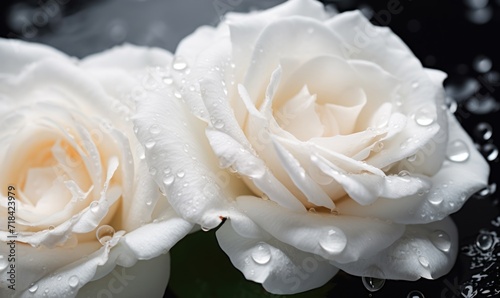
<point>73,282</point>
<point>440,239</point>
<point>484,256</point>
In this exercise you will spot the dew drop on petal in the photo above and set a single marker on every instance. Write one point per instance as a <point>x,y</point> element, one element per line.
<point>404,175</point>
<point>415,294</point>
<point>484,241</point>
<point>180,174</point>
<point>424,117</point>
<point>412,158</point>
<point>373,284</point>
<point>435,198</point>
<point>152,171</point>
<point>261,254</point>
<point>458,151</point>
<point>94,206</point>
<point>179,64</point>
<point>104,233</point>
<point>423,261</point>
<point>333,241</point>
<point>168,180</point>
<point>73,281</point>
<point>168,80</point>
<point>150,144</point>
<point>155,129</point>
<point>441,240</point>
<point>218,124</point>
<point>33,288</point>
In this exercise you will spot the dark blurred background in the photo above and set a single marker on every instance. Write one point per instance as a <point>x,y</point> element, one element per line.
<point>459,37</point>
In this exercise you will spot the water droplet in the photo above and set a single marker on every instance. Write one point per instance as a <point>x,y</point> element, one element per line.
<point>423,261</point>
<point>404,175</point>
<point>441,240</point>
<point>59,277</point>
<point>412,158</point>
<point>168,80</point>
<point>415,294</point>
<point>73,281</point>
<point>168,180</point>
<point>94,206</point>
<point>378,147</point>
<point>458,151</point>
<point>181,174</point>
<point>490,152</point>
<point>414,85</point>
<point>177,94</point>
<point>424,117</point>
<point>218,124</point>
<point>104,233</point>
<point>482,64</point>
<point>155,129</point>
<point>152,171</point>
<point>484,241</point>
<point>435,198</point>
<point>373,284</point>
<point>33,288</point>
<point>167,170</point>
<point>333,241</point>
<point>483,131</point>
<point>312,210</point>
<point>150,144</point>
<point>179,64</point>
<point>205,229</point>
<point>261,254</point>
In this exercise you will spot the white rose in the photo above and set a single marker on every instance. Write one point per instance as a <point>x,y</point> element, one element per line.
<point>84,199</point>
<point>336,148</point>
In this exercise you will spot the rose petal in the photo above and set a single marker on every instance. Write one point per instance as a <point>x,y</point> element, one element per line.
<point>451,186</point>
<point>340,238</point>
<point>39,262</point>
<point>427,251</point>
<point>17,55</point>
<point>301,179</point>
<point>307,37</point>
<point>365,188</point>
<point>186,165</point>
<point>281,268</point>
<point>132,282</point>
<point>153,239</point>
<point>305,123</point>
<point>246,28</point>
<point>127,57</point>
<point>363,41</point>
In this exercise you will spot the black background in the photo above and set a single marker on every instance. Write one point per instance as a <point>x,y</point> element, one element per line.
<point>447,35</point>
